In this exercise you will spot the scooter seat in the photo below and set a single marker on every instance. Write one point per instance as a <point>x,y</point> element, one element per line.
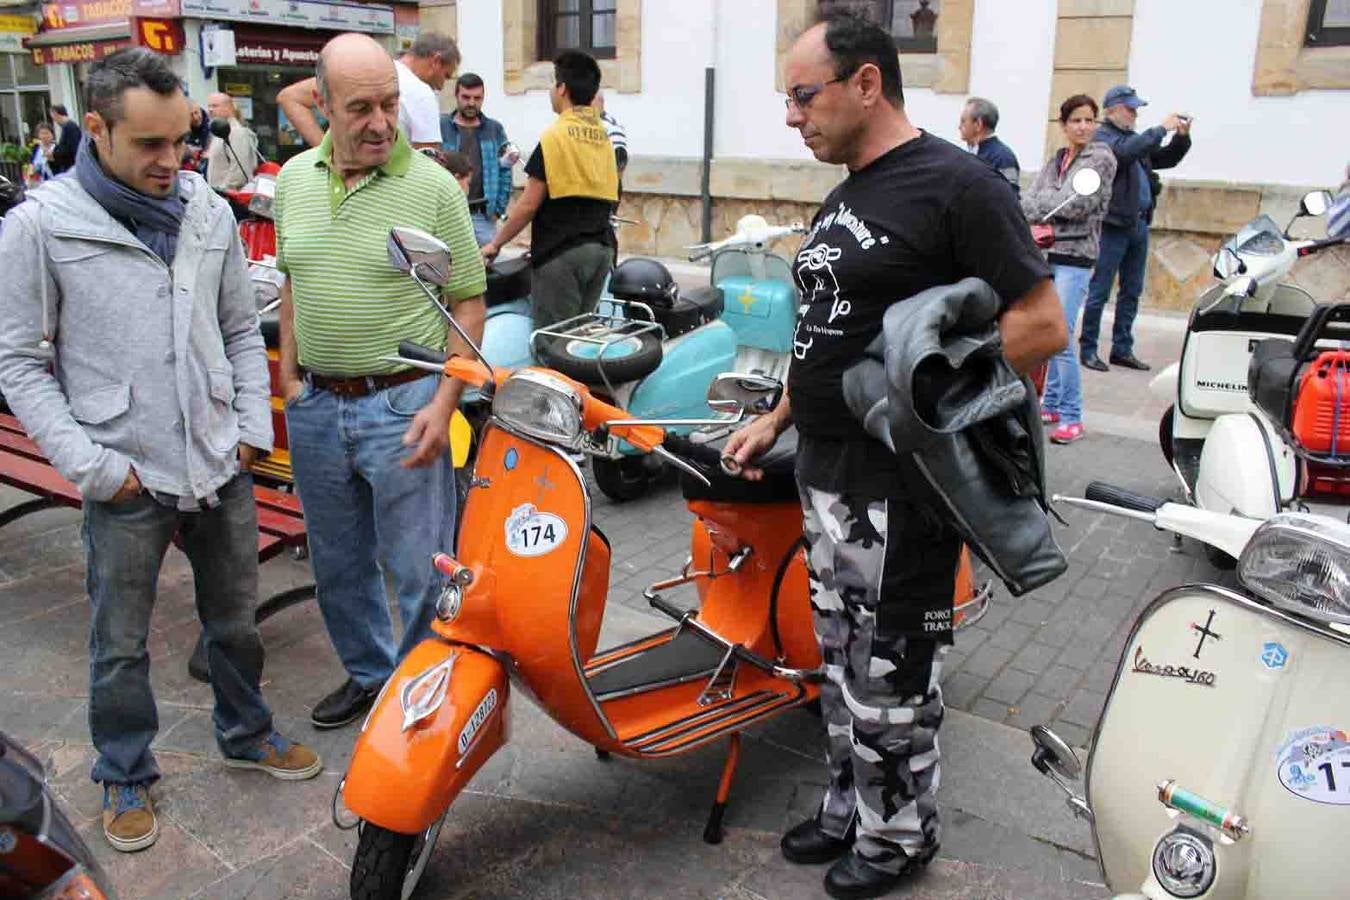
<point>1272,376</point>
<point>508,280</point>
<point>779,484</point>
<point>708,299</point>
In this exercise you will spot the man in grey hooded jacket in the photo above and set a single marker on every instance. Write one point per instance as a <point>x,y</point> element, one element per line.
<point>130,350</point>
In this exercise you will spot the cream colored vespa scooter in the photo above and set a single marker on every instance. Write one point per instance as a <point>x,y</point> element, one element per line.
<point>1220,766</point>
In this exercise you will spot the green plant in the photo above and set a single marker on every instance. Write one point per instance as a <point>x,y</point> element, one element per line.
<point>13,153</point>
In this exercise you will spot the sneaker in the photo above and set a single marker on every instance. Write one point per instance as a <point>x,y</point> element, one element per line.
<point>129,821</point>
<point>1067,433</point>
<point>280,758</point>
<point>1049,418</point>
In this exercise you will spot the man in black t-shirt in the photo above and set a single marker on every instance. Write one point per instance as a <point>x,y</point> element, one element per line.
<point>572,188</point>
<point>914,212</point>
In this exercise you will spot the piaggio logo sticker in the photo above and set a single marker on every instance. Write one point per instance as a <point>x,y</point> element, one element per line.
<point>1273,656</point>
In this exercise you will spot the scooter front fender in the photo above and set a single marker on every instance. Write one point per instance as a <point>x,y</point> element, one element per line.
<point>439,718</point>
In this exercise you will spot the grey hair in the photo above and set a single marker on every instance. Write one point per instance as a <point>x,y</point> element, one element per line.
<point>114,75</point>
<point>433,43</point>
<point>981,110</point>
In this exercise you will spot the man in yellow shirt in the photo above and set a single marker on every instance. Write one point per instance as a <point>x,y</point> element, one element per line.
<point>572,188</point>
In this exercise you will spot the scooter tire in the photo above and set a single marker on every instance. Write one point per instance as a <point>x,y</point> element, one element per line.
<point>1165,432</point>
<point>553,353</point>
<point>624,479</point>
<point>381,863</point>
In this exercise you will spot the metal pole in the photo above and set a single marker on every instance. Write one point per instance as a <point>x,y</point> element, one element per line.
<point>709,77</point>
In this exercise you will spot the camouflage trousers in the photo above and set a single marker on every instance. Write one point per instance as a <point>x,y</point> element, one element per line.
<point>880,570</point>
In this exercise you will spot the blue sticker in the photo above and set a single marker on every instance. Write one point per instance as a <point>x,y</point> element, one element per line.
<point>512,457</point>
<point>1274,656</point>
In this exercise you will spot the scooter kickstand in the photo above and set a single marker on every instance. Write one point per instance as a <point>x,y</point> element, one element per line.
<point>712,832</point>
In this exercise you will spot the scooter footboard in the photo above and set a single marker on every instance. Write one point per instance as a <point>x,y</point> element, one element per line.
<point>440,717</point>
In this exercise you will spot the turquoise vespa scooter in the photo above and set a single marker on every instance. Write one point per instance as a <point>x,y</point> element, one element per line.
<point>651,348</point>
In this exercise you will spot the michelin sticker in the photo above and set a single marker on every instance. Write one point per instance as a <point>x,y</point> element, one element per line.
<point>530,532</point>
<point>476,720</point>
<point>1314,763</point>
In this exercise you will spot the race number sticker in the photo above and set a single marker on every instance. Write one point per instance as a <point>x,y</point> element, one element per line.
<point>530,532</point>
<point>1314,763</point>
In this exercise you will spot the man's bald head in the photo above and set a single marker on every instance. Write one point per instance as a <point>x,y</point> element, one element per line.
<point>221,106</point>
<point>351,56</point>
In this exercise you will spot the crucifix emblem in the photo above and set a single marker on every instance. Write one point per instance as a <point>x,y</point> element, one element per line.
<point>542,482</point>
<point>1205,632</point>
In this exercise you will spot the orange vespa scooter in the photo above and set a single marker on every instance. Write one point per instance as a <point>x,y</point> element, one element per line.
<point>526,592</point>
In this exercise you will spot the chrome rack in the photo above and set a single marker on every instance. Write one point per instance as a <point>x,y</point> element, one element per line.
<point>604,329</point>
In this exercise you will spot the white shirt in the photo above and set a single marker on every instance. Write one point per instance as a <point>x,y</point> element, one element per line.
<point>419,115</point>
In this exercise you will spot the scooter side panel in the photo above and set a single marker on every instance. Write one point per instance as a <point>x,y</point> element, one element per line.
<point>404,779</point>
<point>762,313</point>
<point>1229,729</point>
<point>1244,469</point>
<point>506,335</point>
<point>679,387</point>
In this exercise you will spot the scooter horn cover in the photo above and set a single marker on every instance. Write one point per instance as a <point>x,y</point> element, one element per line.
<point>644,280</point>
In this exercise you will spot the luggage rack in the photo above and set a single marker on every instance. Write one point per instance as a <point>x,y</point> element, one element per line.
<point>604,329</point>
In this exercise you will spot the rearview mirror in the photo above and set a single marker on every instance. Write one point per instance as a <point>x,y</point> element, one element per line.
<point>754,395</point>
<point>419,254</point>
<point>1315,203</point>
<point>221,128</point>
<point>1053,753</point>
<point>1227,263</point>
<point>1086,182</point>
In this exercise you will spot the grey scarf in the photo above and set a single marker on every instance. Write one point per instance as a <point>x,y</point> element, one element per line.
<point>154,220</point>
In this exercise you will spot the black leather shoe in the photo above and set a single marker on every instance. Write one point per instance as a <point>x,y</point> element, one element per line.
<point>1130,361</point>
<point>807,845</point>
<point>851,878</point>
<point>1095,363</point>
<point>347,704</point>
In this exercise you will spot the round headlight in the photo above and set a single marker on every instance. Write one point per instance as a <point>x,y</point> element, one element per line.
<point>540,405</point>
<point>1183,863</point>
<point>1300,563</point>
<point>448,603</point>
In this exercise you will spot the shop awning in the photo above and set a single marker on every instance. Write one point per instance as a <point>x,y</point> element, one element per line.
<point>80,44</point>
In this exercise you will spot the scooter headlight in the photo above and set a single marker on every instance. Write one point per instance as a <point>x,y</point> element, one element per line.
<point>1183,863</point>
<point>540,405</point>
<point>1301,564</point>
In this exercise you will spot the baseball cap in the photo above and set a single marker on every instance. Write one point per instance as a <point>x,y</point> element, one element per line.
<point>1123,93</point>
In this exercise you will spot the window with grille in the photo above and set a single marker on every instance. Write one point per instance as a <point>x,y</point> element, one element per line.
<point>586,25</point>
<point>913,23</point>
<point>1328,24</point>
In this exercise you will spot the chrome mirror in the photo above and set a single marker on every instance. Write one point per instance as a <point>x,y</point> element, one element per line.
<point>1053,753</point>
<point>754,395</point>
<point>1315,203</point>
<point>1086,182</point>
<point>419,254</point>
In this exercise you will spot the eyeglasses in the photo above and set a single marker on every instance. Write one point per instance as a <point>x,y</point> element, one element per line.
<point>802,95</point>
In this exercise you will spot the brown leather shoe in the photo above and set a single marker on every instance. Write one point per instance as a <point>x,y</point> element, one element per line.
<point>280,758</point>
<point>128,819</point>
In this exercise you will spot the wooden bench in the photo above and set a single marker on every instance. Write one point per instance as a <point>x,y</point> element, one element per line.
<point>281,521</point>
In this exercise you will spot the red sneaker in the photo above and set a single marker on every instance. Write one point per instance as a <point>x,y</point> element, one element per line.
<point>1049,418</point>
<point>1067,434</point>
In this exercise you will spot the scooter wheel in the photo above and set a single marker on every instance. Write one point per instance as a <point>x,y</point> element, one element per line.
<point>1165,433</point>
<point>388,864</point>
<point>626,478</point>
<point>638,360</point>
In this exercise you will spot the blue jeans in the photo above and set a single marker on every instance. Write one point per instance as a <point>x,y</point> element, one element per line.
<point>1123,251</point>
<point>1063,384</point>
<point>484,229</point>
<point>124,545</point>
<point>369,517</point>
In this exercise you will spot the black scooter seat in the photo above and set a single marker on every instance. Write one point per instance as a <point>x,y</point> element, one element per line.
<point>779,484</point>
<point>508,280</point>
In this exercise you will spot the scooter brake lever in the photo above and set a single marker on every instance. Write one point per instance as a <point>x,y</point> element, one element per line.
<point>681,464</point>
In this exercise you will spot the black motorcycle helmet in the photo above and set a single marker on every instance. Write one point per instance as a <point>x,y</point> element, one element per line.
<point>11,195</point>
<point>645,281</point>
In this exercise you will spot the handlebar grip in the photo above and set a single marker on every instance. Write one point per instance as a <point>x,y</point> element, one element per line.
<point>411,350</point>
<point>1109,493</point>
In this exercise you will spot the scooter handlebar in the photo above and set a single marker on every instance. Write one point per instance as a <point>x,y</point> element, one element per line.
<point>411,350</point>
<point>706,456</point>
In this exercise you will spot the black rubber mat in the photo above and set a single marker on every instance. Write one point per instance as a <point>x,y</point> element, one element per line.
<point>683,659</point>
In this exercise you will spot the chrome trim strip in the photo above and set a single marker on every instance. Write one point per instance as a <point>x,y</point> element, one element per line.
<point>740,704</point>
<point>673,744</point>
<point>594,668</point>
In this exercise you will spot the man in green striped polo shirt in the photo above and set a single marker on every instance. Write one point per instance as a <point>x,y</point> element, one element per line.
<point>368,438</point>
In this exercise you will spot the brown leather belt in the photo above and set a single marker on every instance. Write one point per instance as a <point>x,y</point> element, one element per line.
<point>362,385</point>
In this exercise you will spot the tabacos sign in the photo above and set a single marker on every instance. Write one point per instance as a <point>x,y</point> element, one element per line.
<point>73,13</point>
<point>89,51</point>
